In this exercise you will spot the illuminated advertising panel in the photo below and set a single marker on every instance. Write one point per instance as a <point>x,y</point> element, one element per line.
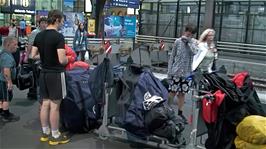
<point>120,26</point>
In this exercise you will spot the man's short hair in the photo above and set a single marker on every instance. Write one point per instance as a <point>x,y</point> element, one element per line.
<point>42,19</point>
<point>191,28</point>
<point>53,15</point>
<point>8,40</point>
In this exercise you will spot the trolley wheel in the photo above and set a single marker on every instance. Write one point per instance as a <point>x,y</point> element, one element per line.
<point>103,137</point>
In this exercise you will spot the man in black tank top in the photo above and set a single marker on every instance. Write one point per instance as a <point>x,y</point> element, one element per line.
<point>48,46</point>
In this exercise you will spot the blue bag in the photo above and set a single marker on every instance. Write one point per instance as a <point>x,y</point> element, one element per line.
<point>77,110</point>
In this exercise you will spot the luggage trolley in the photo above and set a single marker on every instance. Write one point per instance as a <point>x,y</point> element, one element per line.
<point>198,126</point>
<point>107,130</point>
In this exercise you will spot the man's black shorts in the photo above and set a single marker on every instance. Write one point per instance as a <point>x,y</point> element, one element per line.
<point>5,95</point>
<point>52,85</point>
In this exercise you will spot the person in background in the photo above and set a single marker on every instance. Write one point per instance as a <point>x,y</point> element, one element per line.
<point>13,30</point>
<point>207,54</point>
<point>80,42</point>
<point>22,43</point>
<point>22,25</point>
<point>28,29</point>
<point>7,74</point>
<point>13,21</point>
<point>42,26</point>
<point>49,47</point>
<point>180,66</point>
<point>32,94</point>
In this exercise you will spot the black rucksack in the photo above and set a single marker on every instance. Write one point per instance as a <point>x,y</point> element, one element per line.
<point>162,121</point>
<point>25,78</point>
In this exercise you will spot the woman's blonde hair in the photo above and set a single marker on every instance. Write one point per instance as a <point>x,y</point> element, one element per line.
<point>204,34</point>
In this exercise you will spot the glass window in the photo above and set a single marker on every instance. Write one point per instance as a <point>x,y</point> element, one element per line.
<point>257,23</point>
<point>148,22</point>
<point>188,14</point>
<point>146,6</point>
<point>233,25</point>
<point>233,35</point>
<point>79,5</point>
<point>48,4</point>
<point>1,19</point>
<point>167,25</point>
<point>148,18</point>
<point>167,19</point>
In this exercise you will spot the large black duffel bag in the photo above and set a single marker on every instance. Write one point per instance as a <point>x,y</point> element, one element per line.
<point>78,110</point>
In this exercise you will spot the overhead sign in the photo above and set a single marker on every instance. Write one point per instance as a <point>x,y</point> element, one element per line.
<point>5,6</point>
<point>125,3</point>
<point>21,6</point>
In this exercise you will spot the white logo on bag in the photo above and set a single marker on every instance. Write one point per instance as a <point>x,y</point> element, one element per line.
<point>147,95</point>
<point>151,101</point>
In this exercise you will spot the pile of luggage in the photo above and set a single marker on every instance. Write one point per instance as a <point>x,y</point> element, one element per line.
<point>143,106</point>
<point>138,98</point>
<point>235,99</point>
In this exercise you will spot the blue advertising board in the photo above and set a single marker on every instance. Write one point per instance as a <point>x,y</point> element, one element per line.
<point>71,23</point>
<point>125,3</point>
<point>68,5</point>
<point>130,26</point>
<point>120,26</point>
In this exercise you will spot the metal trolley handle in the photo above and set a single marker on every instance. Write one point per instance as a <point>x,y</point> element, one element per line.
<point>195,114</point>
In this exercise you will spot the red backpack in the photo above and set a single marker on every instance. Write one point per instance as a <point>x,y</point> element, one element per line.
<point>210,108</point>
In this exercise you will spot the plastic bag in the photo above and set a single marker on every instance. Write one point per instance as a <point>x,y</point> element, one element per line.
<point>252,129</point>
<point>241,144</point>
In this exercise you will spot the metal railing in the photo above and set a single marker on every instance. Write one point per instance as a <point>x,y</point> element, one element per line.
<point>259,83</point>
<point>96,45</point>
<point>154,39</point>
<point>221,46</point>
<point>241,48</point>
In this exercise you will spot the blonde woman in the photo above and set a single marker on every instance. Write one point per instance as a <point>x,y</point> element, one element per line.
<point>204,59</point>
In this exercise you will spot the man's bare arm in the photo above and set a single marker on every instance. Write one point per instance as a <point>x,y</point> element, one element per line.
<point>62,56</point>
<point>7,75</point>
<point>35,53</point>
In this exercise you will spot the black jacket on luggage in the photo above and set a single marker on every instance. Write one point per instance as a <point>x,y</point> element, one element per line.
<point>237,104</point>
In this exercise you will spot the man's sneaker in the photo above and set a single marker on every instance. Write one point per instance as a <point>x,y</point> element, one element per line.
<point>184,119</point>
<point>62,139</point>
<point>44,137</point>
<point>10,118</point>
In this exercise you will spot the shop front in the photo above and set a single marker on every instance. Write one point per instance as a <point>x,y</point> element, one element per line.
<point>17,10</point>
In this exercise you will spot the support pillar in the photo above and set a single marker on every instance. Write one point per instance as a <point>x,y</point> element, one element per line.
<point>209,14</point>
